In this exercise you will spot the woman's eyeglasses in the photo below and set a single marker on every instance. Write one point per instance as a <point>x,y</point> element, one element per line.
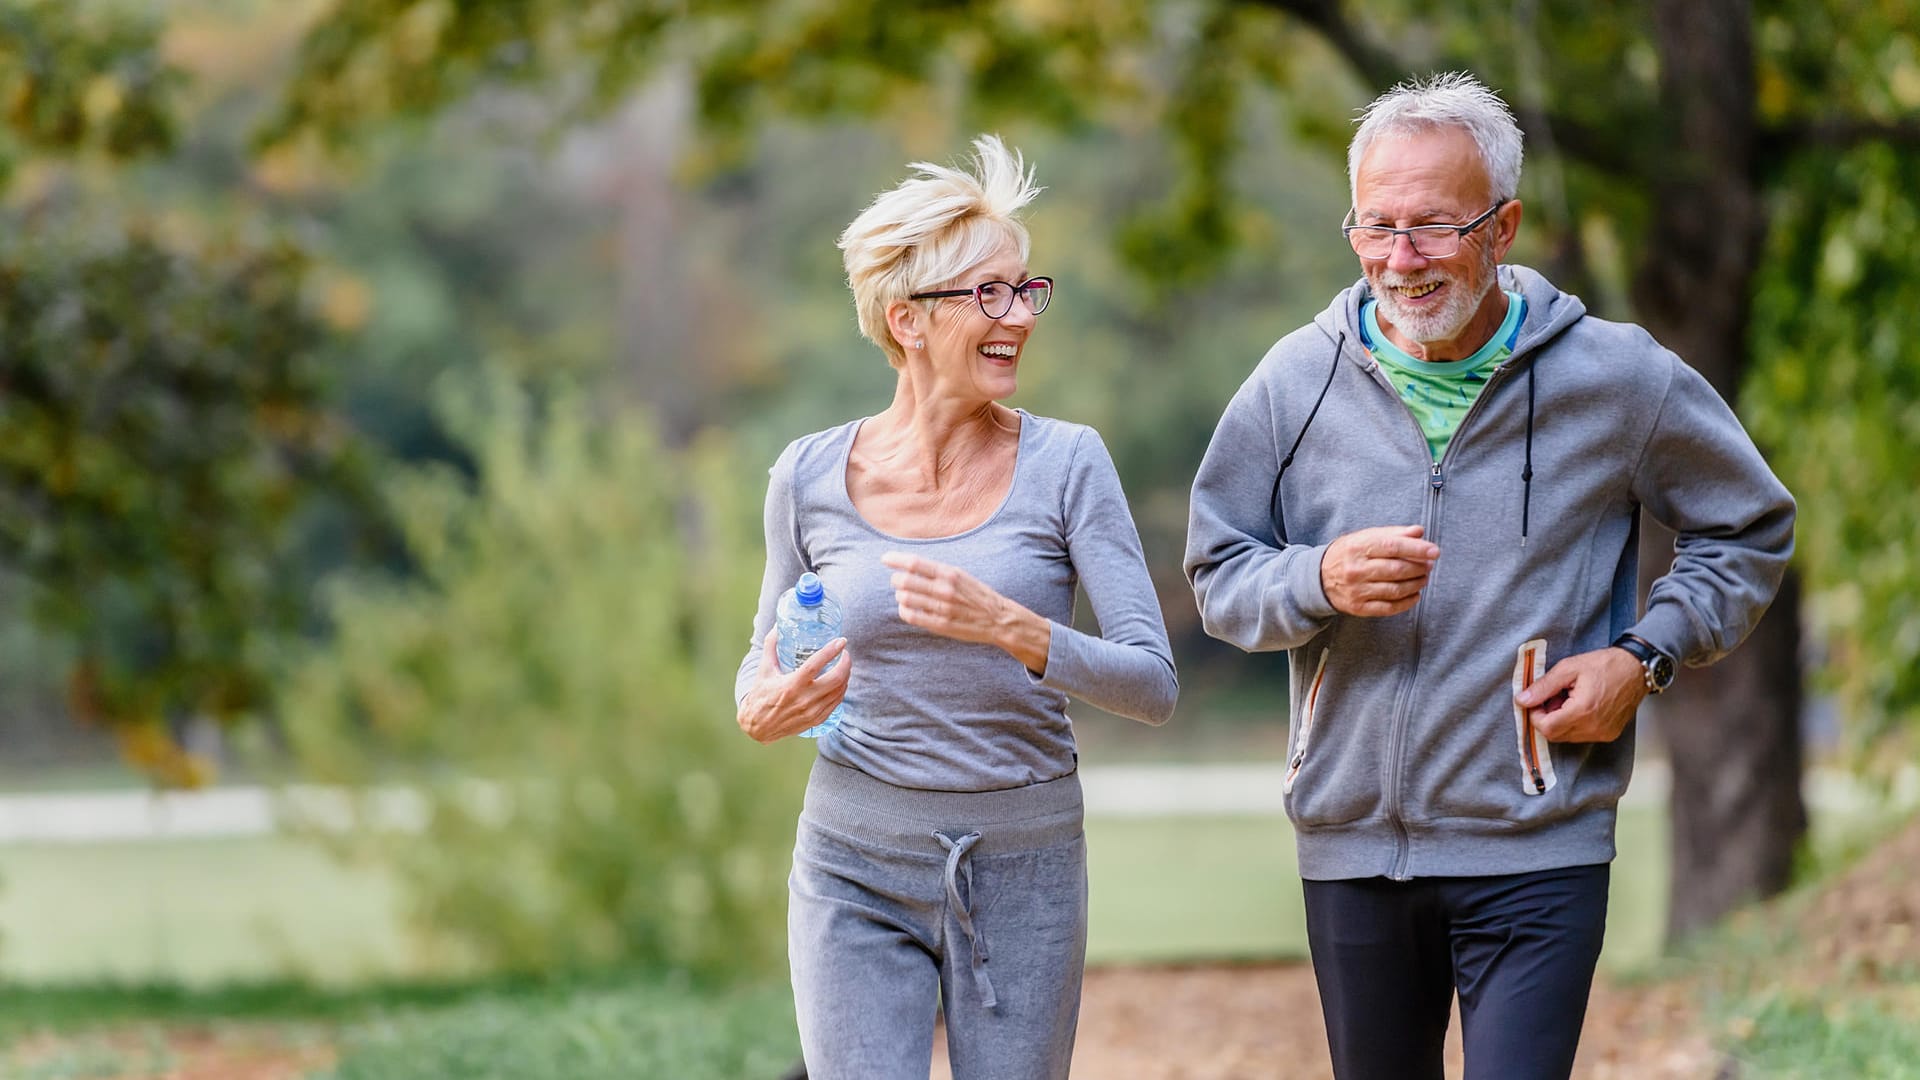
<point>996,297</point>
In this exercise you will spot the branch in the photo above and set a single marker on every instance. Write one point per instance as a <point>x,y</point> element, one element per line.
<point>1589,145</point>
<point>1837,132</point>
<point>1381,68</point>
<point>1373,61</point>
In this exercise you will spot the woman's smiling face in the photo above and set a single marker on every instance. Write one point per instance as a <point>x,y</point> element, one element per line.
<point>971,356</point>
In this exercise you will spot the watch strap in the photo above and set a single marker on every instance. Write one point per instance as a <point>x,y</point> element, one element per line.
<point>1641,651</point>
<point>1658,667</point>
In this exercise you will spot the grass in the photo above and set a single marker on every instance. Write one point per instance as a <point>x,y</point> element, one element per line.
<point>1182,889</point>
<point>203,912</point>
<point>616,1027</point>
<point>1192,889</point>
<point>1824,981</point>
<point>1777,1037</point>
<point>168,925</point>
<point>635,1031</point>
<point>1177,889</point>
<point>197,912</point>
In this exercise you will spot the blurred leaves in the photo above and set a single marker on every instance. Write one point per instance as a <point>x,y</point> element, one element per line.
<point>80,75</point>
<point>566,643</point>
<point>1590,83</point>
<point>164,425</point>
<point>1184,95</point>
<point>1838,399</point>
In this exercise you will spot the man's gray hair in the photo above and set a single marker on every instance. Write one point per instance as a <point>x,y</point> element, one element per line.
<point>1448,99</point>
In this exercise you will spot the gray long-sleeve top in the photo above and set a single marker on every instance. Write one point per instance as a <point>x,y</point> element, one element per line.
<point>928,712</point>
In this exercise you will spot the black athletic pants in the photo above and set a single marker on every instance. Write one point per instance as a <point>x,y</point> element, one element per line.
<point>1520,948</point>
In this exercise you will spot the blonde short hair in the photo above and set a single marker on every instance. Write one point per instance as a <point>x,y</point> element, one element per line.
<point>930,229</point>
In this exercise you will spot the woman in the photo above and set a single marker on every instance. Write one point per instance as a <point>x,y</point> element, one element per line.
<point>940,855</point>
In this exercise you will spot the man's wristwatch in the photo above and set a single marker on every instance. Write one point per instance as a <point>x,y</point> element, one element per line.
<point>1657,666</point>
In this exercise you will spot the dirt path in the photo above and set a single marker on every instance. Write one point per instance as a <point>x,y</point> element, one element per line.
<point>212,1052</point>
<point>1262,1022</point>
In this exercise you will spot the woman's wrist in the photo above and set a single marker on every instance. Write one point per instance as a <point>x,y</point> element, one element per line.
<point>1026,635</point>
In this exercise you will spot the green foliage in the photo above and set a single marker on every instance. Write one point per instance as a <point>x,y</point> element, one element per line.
<point>170,436</point>
<point>1778,1036</point>
<point>77,77</point>
<point>1837,398</point>
<point>1608,94</point>
<point>164,425</point>
<point>643,1030</point>
<point>372,59</point>
<point>554,682</point>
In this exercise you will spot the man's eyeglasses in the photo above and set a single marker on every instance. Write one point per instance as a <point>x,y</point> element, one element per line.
<point>996,297</point>
<point>1429,241</point>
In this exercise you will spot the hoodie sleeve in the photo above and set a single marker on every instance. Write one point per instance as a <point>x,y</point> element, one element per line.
<point>784,566</point>
<point>1702,477</point>
<point>1253,591</point>
<point>1127,670</point>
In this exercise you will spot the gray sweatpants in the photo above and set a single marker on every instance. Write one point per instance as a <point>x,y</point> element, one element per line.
<point>901,899</point>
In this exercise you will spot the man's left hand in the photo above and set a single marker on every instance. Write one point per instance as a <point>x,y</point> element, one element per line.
<point>1587,698</point>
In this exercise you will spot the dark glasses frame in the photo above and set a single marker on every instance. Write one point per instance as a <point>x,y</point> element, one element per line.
<point>1441,234</point>
<point>978,292</point>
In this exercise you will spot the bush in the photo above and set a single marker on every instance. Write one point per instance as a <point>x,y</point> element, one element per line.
<point>555,682</point>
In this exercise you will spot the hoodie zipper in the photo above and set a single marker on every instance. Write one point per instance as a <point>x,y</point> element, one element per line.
<point>1403,703</point>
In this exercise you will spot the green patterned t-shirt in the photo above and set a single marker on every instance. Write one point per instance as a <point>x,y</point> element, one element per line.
<point>1439,394</point>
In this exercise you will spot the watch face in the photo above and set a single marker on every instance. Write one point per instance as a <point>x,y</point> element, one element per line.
<point>1660,672</point>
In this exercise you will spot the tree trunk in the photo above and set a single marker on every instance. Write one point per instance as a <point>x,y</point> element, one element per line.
<point>659,308</point>
<point>1732,731</point>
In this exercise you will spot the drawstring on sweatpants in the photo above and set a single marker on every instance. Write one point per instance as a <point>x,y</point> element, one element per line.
<point>956,851</point>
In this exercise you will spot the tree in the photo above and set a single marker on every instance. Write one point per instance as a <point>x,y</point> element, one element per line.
<point>1666,129</point>
<point>544,681</point>
<point>166,426</point>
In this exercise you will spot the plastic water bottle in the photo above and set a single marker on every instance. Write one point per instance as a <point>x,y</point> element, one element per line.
<point>808,617</point>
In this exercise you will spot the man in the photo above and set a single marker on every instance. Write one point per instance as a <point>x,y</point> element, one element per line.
<point>1430,496</point>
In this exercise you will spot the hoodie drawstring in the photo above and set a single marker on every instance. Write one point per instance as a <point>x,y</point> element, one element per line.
<point>1274,510</point>
<point>1526,472</point>
<point>1277,512</point>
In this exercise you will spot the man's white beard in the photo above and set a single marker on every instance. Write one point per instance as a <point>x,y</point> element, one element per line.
<point>1442,323</point>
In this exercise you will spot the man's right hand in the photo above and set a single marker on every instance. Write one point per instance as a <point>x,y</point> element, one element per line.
<point>1378,571</point>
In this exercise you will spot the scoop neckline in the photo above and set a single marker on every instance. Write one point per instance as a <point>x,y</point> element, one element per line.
<point>1013,484</point>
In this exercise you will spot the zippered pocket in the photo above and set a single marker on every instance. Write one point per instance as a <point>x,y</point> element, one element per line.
<point>1536,755</point>
<point>1307,712</point>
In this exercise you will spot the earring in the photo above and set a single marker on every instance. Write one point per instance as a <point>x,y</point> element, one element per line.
<point>919,343</point>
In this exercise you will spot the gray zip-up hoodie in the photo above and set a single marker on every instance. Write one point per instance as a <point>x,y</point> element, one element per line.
<point>1407,756</point>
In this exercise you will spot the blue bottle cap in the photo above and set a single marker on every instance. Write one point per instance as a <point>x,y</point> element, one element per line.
<point>808,590</point>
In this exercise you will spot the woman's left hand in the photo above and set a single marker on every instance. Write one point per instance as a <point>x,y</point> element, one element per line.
<point>948,601</point>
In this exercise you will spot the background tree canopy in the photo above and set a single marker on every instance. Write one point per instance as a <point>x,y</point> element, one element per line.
<point>244,247</point>
<point>166,425</point>
<point>1666,136</point>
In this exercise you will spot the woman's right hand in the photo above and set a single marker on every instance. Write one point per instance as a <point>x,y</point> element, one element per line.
<point>783,703</point>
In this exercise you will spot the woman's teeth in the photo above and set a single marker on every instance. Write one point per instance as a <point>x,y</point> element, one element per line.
<point>1003,352</point>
